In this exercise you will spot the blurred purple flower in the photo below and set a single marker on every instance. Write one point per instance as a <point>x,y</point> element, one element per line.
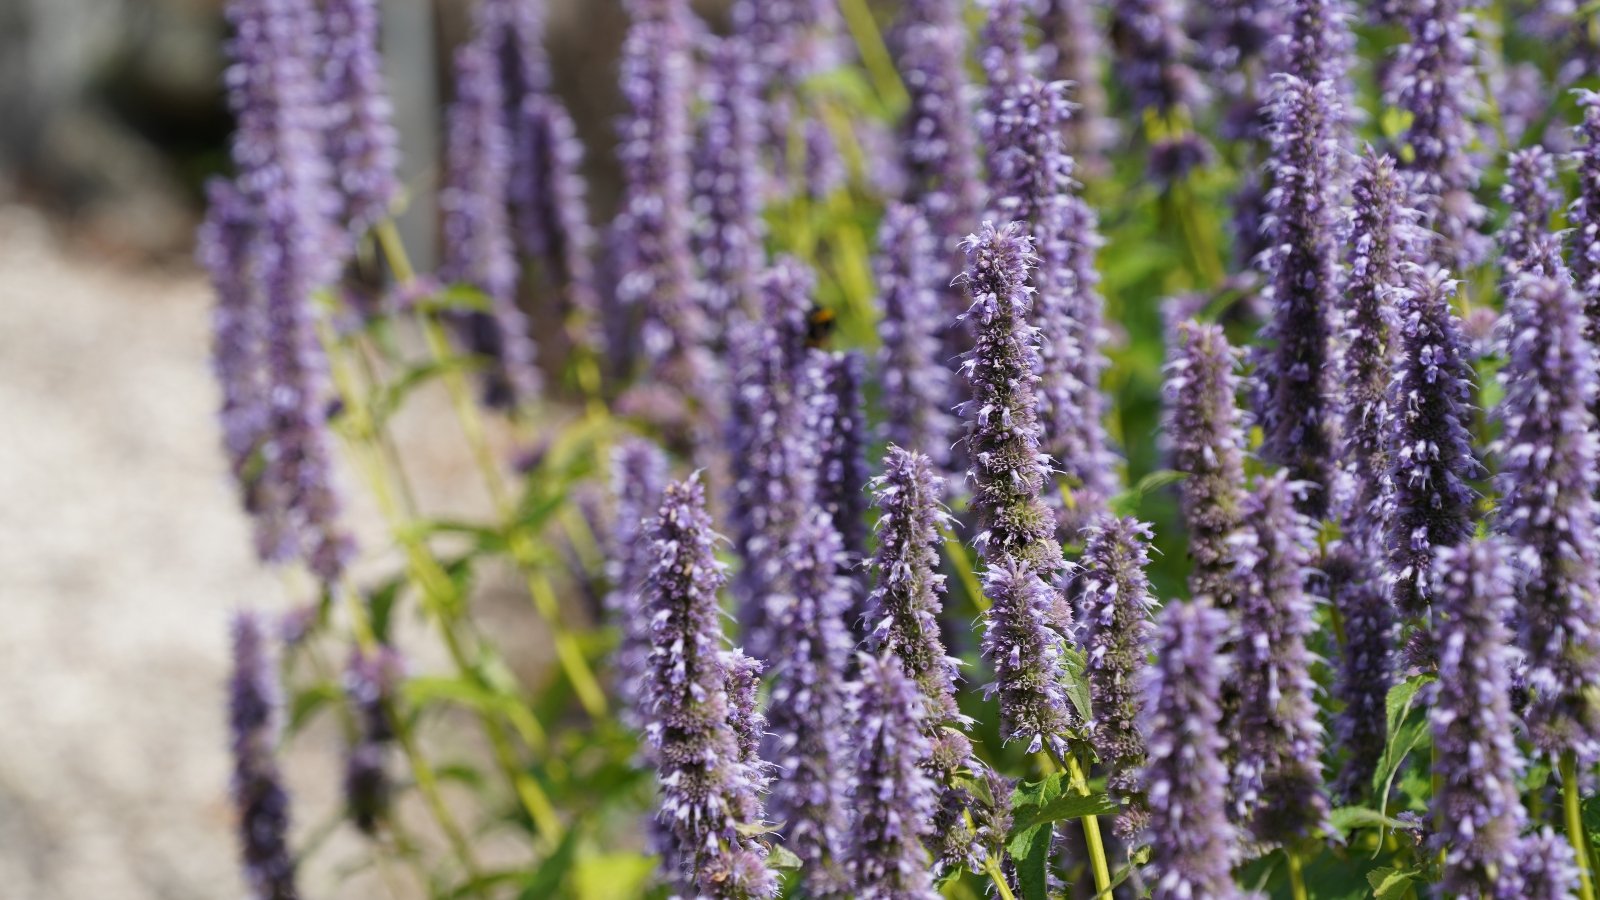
<point>262,803</point>
<point>1548,477</point>
<point>1192,843</point>
<point>893,796</point>
<point>916,383</point>
<point>363,145</point>
<point>809,731</point>
<point>1476,762</point>
<point>478,250</point>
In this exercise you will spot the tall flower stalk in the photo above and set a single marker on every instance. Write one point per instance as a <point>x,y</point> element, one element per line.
<point>1433,80</point>
<point>1277,779</point>
<point>259,796</point>
<point>655,150</point>
<point>1116,631</point>
<point>1031,180</point>
<point>284,179</point>
<point>638,478</point>
<point>895,799</point>
<point>478,250</point>
<point>915,381</point>
<point>1548,464</point>
<point>1206,432</point>
<point>941,158</point>
<point>729,183</point>
<point>1296,402</point>
<point>710,790</point>
<point>806,715</point>
<point>1383,242</point>
<point>1192,842</point>
<point>1428,501</point>
<point>363,146</point>
<point>1476,760</point>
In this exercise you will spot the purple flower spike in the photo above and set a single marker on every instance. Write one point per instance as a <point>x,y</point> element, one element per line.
<point>806,714</point>
<point>837,423</point>
<point>1585,217</point>
<point>1005,58</point>
<point>1192,843</point>
<point>916,383</point>
<point>1206,431</point>
<point>1530,193</point>
<point>1072,51</point>
<point>1316,43</point>
<point>1548,870</point>
<point>893,796</point>
<point>1429,503</point>
<point>1116,613</point>
<point>284,180</point>
<point>513,33</point>
<point>224,246</point>
<point>941,159</point>
<point>278,143</point>
<point>1277,783</point>
<point>550,198</point>
<point>749,724</point>
<point>1152,55</point>
<point>729,183</point>
<point>903,611</point>
<point>362,143</point>
<point>1296,403</point>
<point>1548,464</point>
<point>1434,81</point>
<point>775,459</point>
<point>1384,239</point>
<point>477,233</point>
<point>254,701</point>
<point>638,476</point>
<point>709,788</point>
<point>1022,645</point>
<point>1008,470</point>
<point>1476,761</point>
<point>655,152</point>
<point>370,681</point>
<point>1032,181</point>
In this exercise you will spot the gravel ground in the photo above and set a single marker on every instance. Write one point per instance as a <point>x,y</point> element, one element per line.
<point>122,555</point>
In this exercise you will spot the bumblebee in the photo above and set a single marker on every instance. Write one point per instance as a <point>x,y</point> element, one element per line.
<point>820,325</point>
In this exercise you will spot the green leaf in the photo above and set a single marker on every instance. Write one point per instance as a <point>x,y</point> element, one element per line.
<point>1127,502</point>
<point>1350,818</point>
<point>1038,803</point>
<point>782,857</point>
<point>1405,731</point>
<point>456,298</point>
<point>1030,851</point>
<point>1078,685</point>
<point>308,701</point>
<point>388,400</point>
<point>1389,883</point>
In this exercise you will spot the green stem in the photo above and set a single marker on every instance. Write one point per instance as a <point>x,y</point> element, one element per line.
<point>991,867</point>
<point>875,54</point>
<point>573,663</point>
<point>1574,815</point>
<point>1091,824</point>
<point>1297,877</point>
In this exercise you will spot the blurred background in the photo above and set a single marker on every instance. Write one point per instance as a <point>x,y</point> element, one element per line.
<point>121,545</point>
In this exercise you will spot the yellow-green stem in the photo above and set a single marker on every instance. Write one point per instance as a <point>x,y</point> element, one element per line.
<point>1574,815</point>
<point>440,593</point>
<point>1297,877</point>
<point>875,54</point>
<point>1091,823</point>
<point>576,668</point>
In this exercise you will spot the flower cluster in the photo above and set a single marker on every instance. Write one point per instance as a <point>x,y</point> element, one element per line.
<point>258,792</point>
<point>916,385</point>
<point>638,476</point>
